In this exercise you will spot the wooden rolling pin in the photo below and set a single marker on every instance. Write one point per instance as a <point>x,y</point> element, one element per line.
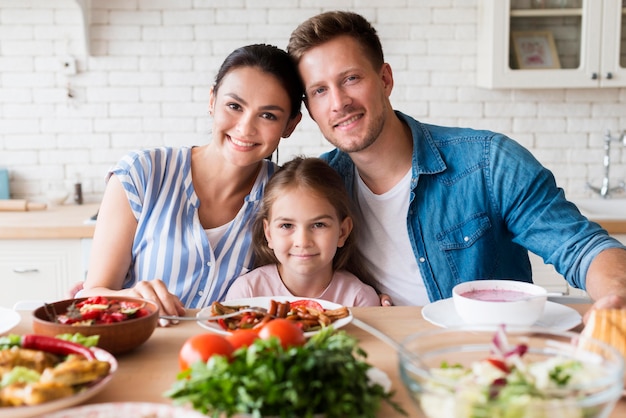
<point>20,205</point>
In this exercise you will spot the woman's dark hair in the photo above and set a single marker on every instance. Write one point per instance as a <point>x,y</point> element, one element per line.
<point>327,26</point>
<point>270,60</point>
<point>315,175</point>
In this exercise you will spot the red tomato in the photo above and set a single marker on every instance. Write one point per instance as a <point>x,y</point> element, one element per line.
<point>287,332</point>
<point>307,303</point>
<point>242,337</point>
<point>201,347</point>
<point>141,312</point>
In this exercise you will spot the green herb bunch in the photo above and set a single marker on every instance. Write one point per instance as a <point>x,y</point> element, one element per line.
<point>327,375</point>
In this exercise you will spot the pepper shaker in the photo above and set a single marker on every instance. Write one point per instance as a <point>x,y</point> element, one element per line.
<point>78,193</point>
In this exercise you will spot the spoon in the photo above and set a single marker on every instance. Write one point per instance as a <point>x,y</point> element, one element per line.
<point>212,317</point>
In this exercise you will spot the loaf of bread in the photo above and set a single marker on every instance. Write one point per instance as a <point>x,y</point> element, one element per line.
<point>608,325</point>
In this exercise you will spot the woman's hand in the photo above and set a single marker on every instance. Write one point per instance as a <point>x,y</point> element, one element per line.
<point>153,290</point>
<point>156,291</point>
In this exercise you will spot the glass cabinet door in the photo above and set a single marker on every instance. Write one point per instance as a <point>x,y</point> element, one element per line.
<point>551,43</point>
<point>614,44</point>
<point>545,34</point>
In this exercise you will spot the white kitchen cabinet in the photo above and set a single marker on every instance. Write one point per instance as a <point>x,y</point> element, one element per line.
<point>589,38</point>
<point>39,269</point>
<point>545,275</point>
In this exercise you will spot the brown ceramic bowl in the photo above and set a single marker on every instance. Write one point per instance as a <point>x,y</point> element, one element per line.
<point>116,338</point>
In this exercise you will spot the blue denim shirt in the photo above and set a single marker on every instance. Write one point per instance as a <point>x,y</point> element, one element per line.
<point>479,201</point>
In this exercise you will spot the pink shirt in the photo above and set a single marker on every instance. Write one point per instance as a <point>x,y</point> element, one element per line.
<point>345,288</point>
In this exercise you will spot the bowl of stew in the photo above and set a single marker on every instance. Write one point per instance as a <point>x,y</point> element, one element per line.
<point>122,323</point>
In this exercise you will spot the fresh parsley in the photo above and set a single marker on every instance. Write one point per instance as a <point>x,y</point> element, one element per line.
<point>327,375</point>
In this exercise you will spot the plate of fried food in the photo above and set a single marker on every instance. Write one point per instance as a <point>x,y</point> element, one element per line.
<point>310,314</point>
<point>42,374</point>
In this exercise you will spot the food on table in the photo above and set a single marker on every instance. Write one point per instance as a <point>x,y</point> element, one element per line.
<point>499,301</point>
<point>509,384</point>
<point>139,318</point>
<point>97,310</point>
<point>308,314</point>
<point>608,325</point>
<point>242,337</point>
<point>35,369</point>
<point>55,345</point>
<point>288,333</point>
<point>496,295</point>
<point>201,347</point>
<point>327,375</point>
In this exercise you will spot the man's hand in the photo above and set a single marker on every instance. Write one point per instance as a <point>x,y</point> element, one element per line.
<point>607,302</point>
<point>606,280</point>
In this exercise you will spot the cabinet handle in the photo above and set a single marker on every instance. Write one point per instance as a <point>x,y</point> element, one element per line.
<point>594,76</point>
<point>21,270</point>
<point>609,75</point>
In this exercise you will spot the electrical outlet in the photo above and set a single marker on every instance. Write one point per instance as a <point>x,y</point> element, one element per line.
<point>68,65</point>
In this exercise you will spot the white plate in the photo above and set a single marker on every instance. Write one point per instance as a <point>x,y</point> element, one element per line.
<point>555,316</point>
<point>8,319</point>
<point>264,302</point>
<point>38,410</point>
<point>126,409</point>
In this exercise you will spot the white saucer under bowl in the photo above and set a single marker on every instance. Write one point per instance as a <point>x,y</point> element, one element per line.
<point>555,316</point>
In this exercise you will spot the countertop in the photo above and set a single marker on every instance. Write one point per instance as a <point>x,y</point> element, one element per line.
<point>54,222</point>
<point>613,226</point>
<point>68,221</point>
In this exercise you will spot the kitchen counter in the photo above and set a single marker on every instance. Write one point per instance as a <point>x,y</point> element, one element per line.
<point>68,221</point>
<point>613,226</point>
<point>55,222</point>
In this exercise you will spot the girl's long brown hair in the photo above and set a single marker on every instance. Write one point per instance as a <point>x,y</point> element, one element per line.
<point>317,176</point>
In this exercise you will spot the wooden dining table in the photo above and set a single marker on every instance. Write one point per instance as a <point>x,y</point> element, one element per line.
<point>145,373</point>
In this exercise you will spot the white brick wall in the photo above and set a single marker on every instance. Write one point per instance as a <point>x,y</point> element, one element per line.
<point>151,64</point>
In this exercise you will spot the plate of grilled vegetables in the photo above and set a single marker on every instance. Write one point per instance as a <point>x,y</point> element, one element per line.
<point>310,314</point>
<point>41,374</point>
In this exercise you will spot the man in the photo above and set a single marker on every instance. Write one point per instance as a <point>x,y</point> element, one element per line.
<point>440,205</point>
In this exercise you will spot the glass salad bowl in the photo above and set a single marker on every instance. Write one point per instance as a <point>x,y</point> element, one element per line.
<point>511,372</point>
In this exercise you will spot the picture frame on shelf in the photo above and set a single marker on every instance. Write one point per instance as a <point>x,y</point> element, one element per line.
<point>534,50</point>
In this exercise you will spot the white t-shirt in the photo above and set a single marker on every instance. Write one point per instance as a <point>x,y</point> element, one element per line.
<point>215,234</point>
<point>384,241</point>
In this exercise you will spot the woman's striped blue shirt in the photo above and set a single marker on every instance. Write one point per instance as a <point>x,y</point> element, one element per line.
<point>170,243</point>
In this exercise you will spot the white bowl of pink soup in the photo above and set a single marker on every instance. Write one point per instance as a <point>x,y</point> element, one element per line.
<point>496,302</point>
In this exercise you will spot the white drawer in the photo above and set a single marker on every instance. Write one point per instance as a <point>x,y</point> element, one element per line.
<point>38,269</point>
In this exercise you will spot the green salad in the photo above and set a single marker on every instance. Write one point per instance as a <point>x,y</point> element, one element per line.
<point>509,385</point>
<point>326,375</point>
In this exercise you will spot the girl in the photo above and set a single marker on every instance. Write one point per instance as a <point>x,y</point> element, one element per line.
<point>174,225</point>
<point>303,240</point>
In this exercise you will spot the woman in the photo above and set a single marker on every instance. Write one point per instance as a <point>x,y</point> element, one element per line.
<point>174,225</point>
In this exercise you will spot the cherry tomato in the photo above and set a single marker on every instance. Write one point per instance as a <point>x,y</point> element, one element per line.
<point>287,332</point>
<point>201,347</point>
<point>308,303</point>
<point>242,337</point>
<point>141,312</point>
